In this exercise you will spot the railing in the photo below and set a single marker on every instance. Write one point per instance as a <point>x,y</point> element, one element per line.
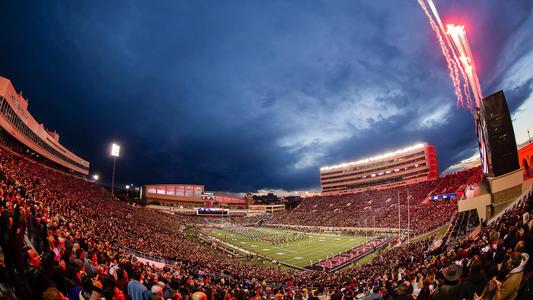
<point>149,257</point>
<point>169,262</point>
<point>385,230</point>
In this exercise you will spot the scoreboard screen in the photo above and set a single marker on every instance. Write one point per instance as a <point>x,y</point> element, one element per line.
<point>481,129</point>
<point>204,211</point>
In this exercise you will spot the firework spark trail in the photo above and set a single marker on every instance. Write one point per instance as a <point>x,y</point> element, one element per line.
<point>456,50</point>
<point>451,62</point>
<point>459,67</point>
<point>462,46</point>
<point>435,13</point>
<point>457,35</point>
<point>475,79</point>
<point>466,88</point>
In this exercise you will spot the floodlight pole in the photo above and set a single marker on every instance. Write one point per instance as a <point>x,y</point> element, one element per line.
<point>366,232</point>
<point>374,229</point>
<point>113,177</point>
<point>408,220</point>
<point>399,217</point>
<point>115,152</point>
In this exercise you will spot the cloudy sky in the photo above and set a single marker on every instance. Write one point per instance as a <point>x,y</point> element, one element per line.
<point>242,95</point>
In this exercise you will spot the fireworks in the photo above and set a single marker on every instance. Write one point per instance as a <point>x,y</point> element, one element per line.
<point>456,50</point>
<point>458,35</point>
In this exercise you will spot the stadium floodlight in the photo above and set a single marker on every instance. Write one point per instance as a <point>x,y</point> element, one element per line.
<point>115,150</point>
<point>377,157</point>
<point>127,187</point>
<point>96,177</point>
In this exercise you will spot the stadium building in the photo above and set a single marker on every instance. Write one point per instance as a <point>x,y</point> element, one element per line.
<point>189,195</point>
<point>525,158</point>
<point>20,132</point>
<point>408,165</point>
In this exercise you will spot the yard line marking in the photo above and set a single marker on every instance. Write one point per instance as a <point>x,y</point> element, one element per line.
<point>285,249</point>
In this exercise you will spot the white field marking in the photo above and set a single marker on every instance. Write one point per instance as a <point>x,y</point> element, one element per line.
<point>266,249</point>
<point>323,234</point>
<point>285,249</point>
<point>243,242</point>
<point>280,253</point>
<point>298,257</point>
<point>254,246</point>
<point>317,255</point>
<point>312,241</point>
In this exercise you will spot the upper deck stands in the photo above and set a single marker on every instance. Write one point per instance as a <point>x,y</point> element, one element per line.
<point>408,165</point>
<point>17,123</point>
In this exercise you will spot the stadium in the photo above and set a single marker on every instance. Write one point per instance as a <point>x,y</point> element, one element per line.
<point>384,225</point>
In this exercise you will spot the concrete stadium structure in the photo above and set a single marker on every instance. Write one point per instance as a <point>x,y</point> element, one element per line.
<point>408,165</point>
<point>20,132</point>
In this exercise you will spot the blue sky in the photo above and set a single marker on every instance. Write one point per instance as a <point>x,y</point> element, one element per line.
<point>242,95</point>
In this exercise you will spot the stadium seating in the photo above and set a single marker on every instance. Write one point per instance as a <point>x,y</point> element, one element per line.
<point>379,208</point>
<point>353,254</point>
<point>82,239</point>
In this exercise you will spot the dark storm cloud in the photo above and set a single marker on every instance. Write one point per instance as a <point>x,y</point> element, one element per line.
<point>519,94</point>
<point>241,95</point>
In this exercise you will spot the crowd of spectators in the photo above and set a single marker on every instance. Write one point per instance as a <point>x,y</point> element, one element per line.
<point>379,208</point>
<point>353,254</point>
<point>72,222</point>
<point>80,239</point>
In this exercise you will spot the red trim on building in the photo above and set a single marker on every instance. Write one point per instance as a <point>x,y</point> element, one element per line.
<point>525,159</point>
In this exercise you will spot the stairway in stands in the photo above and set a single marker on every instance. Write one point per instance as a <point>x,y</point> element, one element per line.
<point>464,223</point>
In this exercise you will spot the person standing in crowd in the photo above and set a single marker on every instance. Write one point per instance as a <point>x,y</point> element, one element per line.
<point>36,277</point>
<point>136,289</point>
<point>492,291</point>
<point>451,288</point>
<point>515,264</point>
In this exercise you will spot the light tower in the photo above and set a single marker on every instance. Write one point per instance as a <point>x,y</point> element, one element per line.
<point>115,152</point>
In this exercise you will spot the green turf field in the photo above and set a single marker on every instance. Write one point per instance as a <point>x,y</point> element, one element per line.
<point>298,253</point>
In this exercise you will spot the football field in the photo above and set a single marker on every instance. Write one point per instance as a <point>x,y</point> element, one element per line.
<point>306,249</point>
